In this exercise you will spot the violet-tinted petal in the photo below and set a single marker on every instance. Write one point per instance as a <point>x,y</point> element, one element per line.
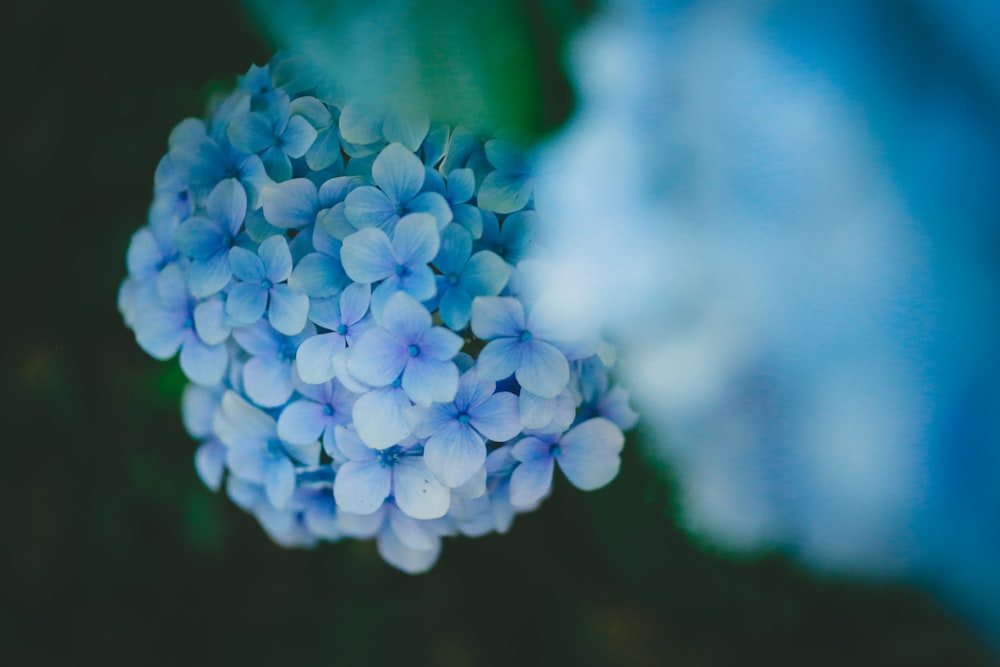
<point>210,462</point>
<point>208,276</point>
<point>228,205</point>
<point>454,454</point>
<point>530,482</point>
<point>427,380</point>
<point>416,239</point>
<point>497,418</point>
<point>378,358</point>
<point>410,531</point>
<point>354,302</point>
<point>439,343</point>
<point>543,369</point>
<point>318,275</point>
<point>368,206</point>
<point>279,482</point>
<point>434,205</point>
<point>404,317</point>
<point>485,274</point>
<point>499,358</point>
<point>397,554</point>
<point>589,453</point>
<point>493,317</point>
<point>259,339</point>
<point>246,265</point>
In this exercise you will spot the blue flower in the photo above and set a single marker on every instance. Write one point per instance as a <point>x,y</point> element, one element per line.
<point>510,186</point>
<point>345,318</point>
<point>511,239</point>
<point>457,191</point>
<point>407,348</point>
<point>399,175</point>
<point>267,375</point>
<point>260,287</point>
<point>256,454</point>
<point>276,135</point>
<point>314,416</point>
<point>463,277</point>
<point>370,476</point>
<point>518,346</point>
<point>588,455</point>
<point>208,240</point>
<point>369,256</point>
<point>457,432</point>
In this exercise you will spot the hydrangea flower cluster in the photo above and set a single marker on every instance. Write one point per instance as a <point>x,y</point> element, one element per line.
<point>350,295</point>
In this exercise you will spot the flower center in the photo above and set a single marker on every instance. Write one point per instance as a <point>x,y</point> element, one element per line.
<point>342,329</point>
<point>413,350</point>
<point>555,449</point>
<point>463,418</point>
<point>266,284</point>
<point>525,336</point>
<point>452,279</point>
<point>402,270</point>
<point>328,410</point>
<point>389,457</point>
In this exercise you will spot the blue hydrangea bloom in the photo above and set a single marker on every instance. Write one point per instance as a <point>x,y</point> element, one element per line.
<point>317,269</point>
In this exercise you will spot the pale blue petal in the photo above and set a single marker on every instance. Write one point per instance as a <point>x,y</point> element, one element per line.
<point>359,124</point>
<point>307,454</point>
<point>258,228</point>
<point>298,137</point>
<point>361,526</point>
<point>406,127</point>
<point>354,302</point>
<point>259,339</point>
<point>228,205</point>
<point>428,380</point>
<point>246,302</point>
<point>434,205</point>
<point>454,251</point>
<point>473,391</point>
<point>311,108</point>
<point>589,453</point>
<point>335,190</point>
<point>416,490</point>
<point>400,556</point>
<point>288,311</point>
<point>160,332</point>
<point>351,445</point>
<point>239,420</point>
<point>614,406</point>
<point>172,289</point>
<point>210,463</point>
<point>279,483</point>
<point>198,238</point>
<point>380,417</point>
<point>506,156</point>
<point>468,217</point>
<point>418,283</point>
<point>250,133</point>
<point>493,317</point>
<point>314,359</point>
<point>454,454</point>
<point>267,381</point>
<point>531,449</point>
<point>368,206</point>
<point>330,231</point>
<point>530,482</point>
<point>290,204</point>
<point>318,276</point>
<point>246,265</point>
<point>368,256</point>
<point>249,461</point>
<point>518,235</point>
<point>203,364</point>
<point>410,531</point>
<point>485,274</point>
<point>209,276</point>
<point>497,418</point>
<point>439,343</point>
<point>378,358</point>
<point>325,151</point>
<point>362,486</point>
<point>301,422</point>
<point>543,369</point>
<point>499,358</point>
<point>277,259</point>
<point>198,406</point>
<point>455,308</point>
<point>428,421</point>
<point>504,192</point>
<point>461,185</point>
<point>200,161</point>
<point>398,172</point>
<point>144,253</point>
<point>536,412</point>
<point>404,317</point>
<point>416,239</point>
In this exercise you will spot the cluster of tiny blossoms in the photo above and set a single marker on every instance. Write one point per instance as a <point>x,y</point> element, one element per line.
<point>351,298</point>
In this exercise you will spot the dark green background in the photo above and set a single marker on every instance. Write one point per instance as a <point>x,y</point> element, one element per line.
<point>114,552</point>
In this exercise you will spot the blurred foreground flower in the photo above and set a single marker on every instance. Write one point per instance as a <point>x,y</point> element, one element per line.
<point>803,272</point>
<point>364,363</point>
